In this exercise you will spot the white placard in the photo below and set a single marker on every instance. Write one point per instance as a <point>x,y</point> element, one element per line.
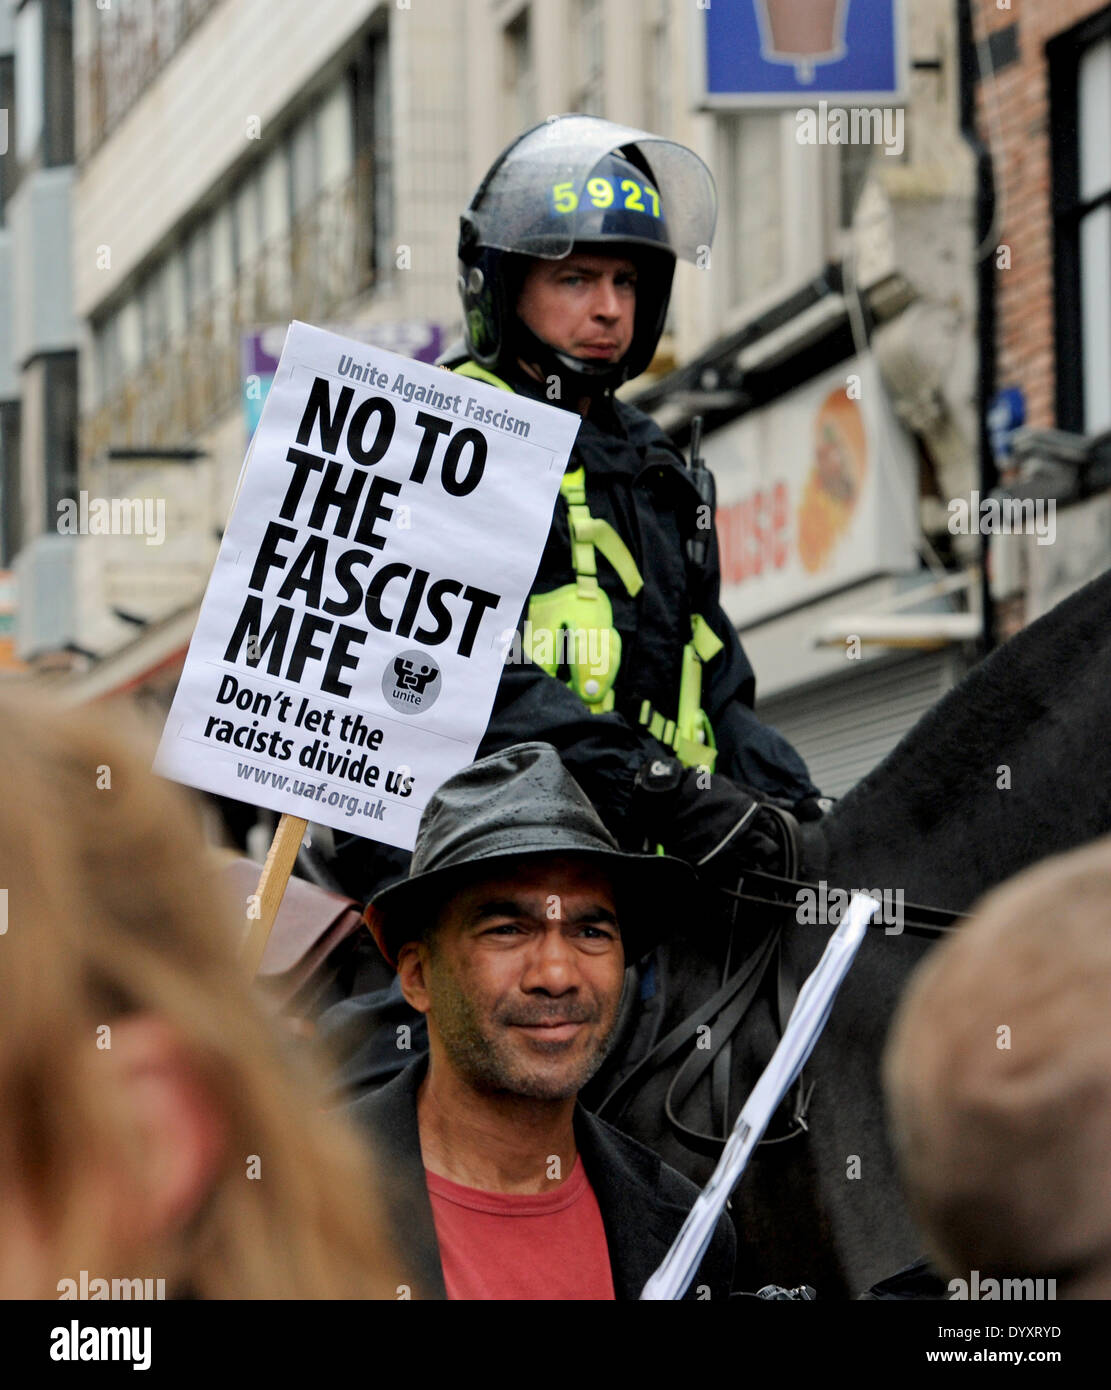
<point>809,1016</point>
<point>388,527</point>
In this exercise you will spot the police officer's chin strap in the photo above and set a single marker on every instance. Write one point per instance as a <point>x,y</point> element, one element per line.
<point>578,377</point>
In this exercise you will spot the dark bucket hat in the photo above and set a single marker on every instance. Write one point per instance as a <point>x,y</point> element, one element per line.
<point>516,804</point>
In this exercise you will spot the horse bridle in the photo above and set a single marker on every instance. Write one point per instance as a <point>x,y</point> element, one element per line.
<point>727,1007</point>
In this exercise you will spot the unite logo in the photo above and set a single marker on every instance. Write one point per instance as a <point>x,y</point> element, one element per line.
<point>412,683</point>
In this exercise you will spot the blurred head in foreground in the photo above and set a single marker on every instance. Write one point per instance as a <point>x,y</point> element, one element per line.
<point>151,1125</point>
<point>998,1078</point>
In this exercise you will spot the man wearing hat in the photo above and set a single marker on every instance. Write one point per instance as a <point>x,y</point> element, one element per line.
<point>510,936</point>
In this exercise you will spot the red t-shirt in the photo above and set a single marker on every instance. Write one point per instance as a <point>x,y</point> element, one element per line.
<point>500,1245</point>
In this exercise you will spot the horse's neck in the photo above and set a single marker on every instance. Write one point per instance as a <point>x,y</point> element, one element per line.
<point>1012,765</point>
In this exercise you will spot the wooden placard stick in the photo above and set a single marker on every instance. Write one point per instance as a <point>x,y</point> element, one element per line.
<point>279,864</point>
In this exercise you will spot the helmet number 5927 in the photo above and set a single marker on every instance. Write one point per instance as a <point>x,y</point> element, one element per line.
<point>602,194</point>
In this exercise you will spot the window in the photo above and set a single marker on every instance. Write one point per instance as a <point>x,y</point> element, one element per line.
<point>520,78</point>
<point>131,335</point>
<point>274,186</point>
<point>1080,90</point>
<point>855,162</point>
<point>335,126</point>
<point>304,165</point>
<point>223,265</point>
<point>7,160</point>
<point>109,357</point>
<point>169,26</point>
<point>198,268</point>
<point>28,81</point>
<point>246,221</point>
<point>60,430</point>
<point>57,82</point>
<point>750,242</point>
<point>176,294</point>
<point>153,314</point>
<point>44,83</point>
<point>372,116</point>
<point>592,47</point>
<point>659,61</point>
<point>382,164</point>
<point>11,528</point>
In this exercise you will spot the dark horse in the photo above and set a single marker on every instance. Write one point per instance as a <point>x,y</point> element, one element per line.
<point>1012,765</point>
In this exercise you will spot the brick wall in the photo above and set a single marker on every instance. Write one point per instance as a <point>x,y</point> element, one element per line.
<point>1013,108</point>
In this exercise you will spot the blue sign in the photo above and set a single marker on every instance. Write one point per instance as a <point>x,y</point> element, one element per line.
<point>1006,414</point>
<point>795,52</point>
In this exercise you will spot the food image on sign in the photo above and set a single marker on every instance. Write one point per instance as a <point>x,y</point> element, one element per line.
<point>803,32</point>
<point>833,487</point>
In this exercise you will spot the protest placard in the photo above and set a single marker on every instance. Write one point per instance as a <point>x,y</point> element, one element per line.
<point>387,529</point>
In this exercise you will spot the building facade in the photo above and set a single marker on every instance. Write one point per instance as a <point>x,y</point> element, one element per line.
<point>1045,108</point>
<point>39,330</point>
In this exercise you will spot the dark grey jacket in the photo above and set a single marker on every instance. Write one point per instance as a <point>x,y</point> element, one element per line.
<point>643,1202</point>
<point>637,481</point>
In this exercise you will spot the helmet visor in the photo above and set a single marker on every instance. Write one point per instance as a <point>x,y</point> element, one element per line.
<point>547,192</point>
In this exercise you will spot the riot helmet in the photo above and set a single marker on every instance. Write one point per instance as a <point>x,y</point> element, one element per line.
<point>580,182</point>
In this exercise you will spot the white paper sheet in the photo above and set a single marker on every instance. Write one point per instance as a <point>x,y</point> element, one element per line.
<point>807,1020</point>
<point>346,656</point>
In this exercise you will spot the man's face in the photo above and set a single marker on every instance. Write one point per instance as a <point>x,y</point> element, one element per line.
<point>522,978</point>
<point>584,304</point>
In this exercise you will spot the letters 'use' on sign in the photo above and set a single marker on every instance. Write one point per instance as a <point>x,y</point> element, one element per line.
<point>388,527</point>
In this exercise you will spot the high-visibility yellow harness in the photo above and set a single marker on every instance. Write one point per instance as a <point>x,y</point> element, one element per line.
<point>572,627</point>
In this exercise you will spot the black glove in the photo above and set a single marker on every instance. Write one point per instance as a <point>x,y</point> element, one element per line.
<point>704,818</point>
<point>812,807</point>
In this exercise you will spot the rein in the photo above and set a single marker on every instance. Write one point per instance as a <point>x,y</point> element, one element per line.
<point>724,1012</point>
<point>781,895</point>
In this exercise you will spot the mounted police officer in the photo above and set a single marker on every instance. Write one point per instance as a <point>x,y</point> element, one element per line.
<point>625,660</point>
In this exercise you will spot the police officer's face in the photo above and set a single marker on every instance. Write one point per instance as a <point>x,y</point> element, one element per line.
<point>522,978</point>
<point>584,304</point>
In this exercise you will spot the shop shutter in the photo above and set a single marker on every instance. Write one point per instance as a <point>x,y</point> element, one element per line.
<point>845,725</point>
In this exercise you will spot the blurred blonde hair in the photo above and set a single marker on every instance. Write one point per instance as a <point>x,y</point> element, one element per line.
<point>113,909</point>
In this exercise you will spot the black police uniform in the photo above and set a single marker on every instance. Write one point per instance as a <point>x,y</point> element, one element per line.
<point>637,481</point>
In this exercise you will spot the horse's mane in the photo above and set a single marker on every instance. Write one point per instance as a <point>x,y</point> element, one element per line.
<point>990,711</point>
